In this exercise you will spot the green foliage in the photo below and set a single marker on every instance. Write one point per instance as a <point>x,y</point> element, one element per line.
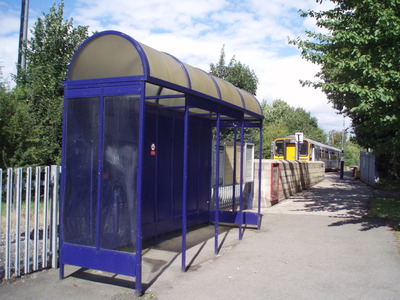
<point>16,124</point>
<point>351,149</point>
<point>360,69</point>
<point>31,113</point>
<point>235,72</point>
<point>242,77</point>
<point>351,153</point>
<point>280,120</point>
<point>32,133</point>
<point>335,138</point>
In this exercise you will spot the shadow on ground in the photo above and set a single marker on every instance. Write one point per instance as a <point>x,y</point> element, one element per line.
<point>159,255</point>
<point>346,200</point>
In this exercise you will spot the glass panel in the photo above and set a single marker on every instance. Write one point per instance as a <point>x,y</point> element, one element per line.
<point>279,148</point>
<point>304,148</point>
<point>249,163</point>
<point>80,192</point>
<point>120,160</point>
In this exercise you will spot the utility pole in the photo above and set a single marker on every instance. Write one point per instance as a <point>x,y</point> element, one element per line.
<point>23,34</point>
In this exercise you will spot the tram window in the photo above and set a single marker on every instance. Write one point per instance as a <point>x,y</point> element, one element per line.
<point>304,148</point>
<point>279,148</point>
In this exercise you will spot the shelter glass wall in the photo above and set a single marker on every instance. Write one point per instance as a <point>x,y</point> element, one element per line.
<point>81,182</point>
<point>101,159</point>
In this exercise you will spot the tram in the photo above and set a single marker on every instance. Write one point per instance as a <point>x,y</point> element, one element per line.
<point>309,150</point>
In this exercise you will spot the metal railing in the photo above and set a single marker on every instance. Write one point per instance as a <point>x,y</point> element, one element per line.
<point>28,220</point>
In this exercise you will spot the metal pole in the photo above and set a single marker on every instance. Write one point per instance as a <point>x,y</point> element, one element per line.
<point>259,177</point>
<point>241,180</point>
<point>184,190</point>
<point>342,157</point>
<point>217,143</point>
<point>138,254</point>
<point>234,169</point>
<point>23,33</point>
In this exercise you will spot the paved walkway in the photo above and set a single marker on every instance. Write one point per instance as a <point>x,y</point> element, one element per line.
<point>316,245</point>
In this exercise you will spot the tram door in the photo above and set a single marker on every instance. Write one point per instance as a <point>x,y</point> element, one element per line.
<point>291,151</point>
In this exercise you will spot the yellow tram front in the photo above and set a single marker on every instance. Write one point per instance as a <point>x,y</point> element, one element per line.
<point>287,148</point>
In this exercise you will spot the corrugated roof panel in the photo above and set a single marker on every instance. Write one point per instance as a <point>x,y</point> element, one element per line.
<point>113,54</point>
<point>106,56</point>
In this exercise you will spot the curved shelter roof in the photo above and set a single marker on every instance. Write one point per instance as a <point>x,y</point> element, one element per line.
<point>113,54</point>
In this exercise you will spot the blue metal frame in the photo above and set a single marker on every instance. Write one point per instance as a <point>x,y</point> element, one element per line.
<point>216,214</point>
<point>184,185</point>
<point>220,110</point>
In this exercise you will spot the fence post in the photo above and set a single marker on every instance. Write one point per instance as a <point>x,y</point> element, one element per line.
<point>45,215</point>
<point>18,200</point>
<point>55,171</point>
<point>8,221</point>
<point>28,199</point>
<point>36,222</point>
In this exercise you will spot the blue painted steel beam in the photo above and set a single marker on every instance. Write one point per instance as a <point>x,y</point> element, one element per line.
<point>165,97</point>
<point>241,180</point>
<point>138,266</point>
<point>103,259</point>
<point>184,183</point>
<point>234,167</point>
<point>238,124</point>
<point>62,185</point>
<point>246,218</point>
<point>99,173</point>
<point>217,144</point>
<point>210,105</point>
<point>259,175</point>
<point>112,81</point>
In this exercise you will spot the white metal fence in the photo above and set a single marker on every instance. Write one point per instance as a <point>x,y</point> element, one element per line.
<point>28,220</point>
<point>368,172</point>
<point>227,192</point>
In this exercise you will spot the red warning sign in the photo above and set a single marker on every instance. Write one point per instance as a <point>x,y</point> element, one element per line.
<point>153,149</point>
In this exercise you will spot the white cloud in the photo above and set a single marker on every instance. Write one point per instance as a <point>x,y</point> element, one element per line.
<point>9,32</point>
<point>256,32</point>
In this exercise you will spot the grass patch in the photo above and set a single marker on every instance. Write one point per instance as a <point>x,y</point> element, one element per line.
<point>388,208</point>
<point>389,184</point>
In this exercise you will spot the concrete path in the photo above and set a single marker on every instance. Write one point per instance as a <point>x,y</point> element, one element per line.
<point>316,245</point>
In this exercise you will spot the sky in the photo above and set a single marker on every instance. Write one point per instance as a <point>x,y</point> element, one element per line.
<point>256,32</point>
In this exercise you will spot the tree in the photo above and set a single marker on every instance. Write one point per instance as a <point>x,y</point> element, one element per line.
<point>335,138</point>
<point>351,153</point>
<point>360,69</point>
<point>48,54</point>
<point>242,77</point>
<point>235,72</point>
<point>281,119</point>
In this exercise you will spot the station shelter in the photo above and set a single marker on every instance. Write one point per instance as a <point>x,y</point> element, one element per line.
<point>138,135</point>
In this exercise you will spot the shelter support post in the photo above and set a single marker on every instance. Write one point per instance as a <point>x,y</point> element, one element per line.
<point>184,191</point>
<point>138,261</point>
<point>217,144</point>
<point>241,180</point>
<point>234,168</point>
<point>259,178</point>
